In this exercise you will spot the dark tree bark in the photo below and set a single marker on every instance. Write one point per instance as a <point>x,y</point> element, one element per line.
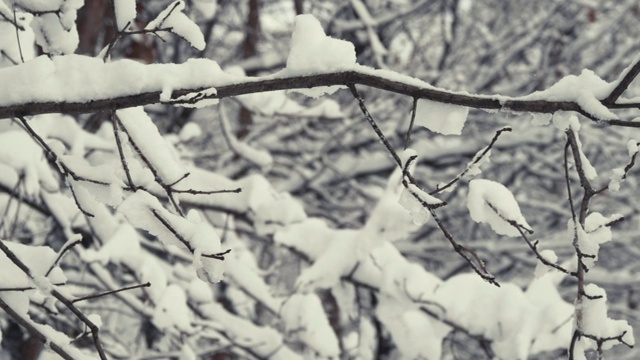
<point>249,49</point>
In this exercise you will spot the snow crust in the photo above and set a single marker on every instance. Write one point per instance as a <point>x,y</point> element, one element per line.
<point>446,119</point>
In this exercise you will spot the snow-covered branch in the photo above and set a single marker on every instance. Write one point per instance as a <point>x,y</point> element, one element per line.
<point>100,86</point>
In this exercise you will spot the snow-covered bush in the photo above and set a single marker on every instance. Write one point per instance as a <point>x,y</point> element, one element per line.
<point>158,203</point>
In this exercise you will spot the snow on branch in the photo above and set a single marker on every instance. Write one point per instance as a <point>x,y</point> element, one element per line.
<point>84,84</point>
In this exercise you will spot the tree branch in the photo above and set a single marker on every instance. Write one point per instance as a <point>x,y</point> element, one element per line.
<point>385,80</point>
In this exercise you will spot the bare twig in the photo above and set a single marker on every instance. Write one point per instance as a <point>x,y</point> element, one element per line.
<point>61,253</point>
<point>110,292</point>
<point>15,22</point>
<point>167,188</point>
<point>414,107</point>
<point>476,159</point>
<point>183,240</point>
<point>624,83</point>
<point>123,160</point>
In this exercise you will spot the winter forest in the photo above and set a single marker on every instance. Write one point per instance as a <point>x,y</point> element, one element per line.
<point>318,179</point>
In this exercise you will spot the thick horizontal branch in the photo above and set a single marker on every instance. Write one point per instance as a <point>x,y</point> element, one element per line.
<point>95,99</point>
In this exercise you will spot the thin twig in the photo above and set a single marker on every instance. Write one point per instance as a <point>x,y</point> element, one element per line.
<point>154,171</point>
<point>183,240</point>
<point>123,160</point>
<point>61,253</point>
<point>476,159</point>
<point>15,21</point>
<point>110,292</point>
<point>413,118</point>
<point>623,84</point>
<point>207,192</point>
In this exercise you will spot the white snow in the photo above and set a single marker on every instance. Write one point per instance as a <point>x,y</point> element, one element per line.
<point>416,335</point>
<point>446,119</point>
<point>554,315</point>
<point>632,147</point>
<point>76,78</point>
<point>616,179</point>
<point>123,247</point>
<point>66,129</point>
<point>8,41</point>
<point>190,131</point>
<point>503,314</point>
<point>200,235</point>
<point>569,122</point>
<point>125,11</point>
<point>485,194</point>
<point>280,210</point>
<point>205,241</point>
<point>37,258</point>
<point>474,167</point>
<point>309,237</point>
<point>146,136</point>
<point>199,291</point>
<point>304,316</point>
<point>540,119</point>
<point>596,322</point>
<point>52,35</point>
<point>541,269</point>
<point>187,353</point>
<point>195,100</point>
<point>312,51</point>
<point>586,89</point>
<point>206,8</point>
<point>151,271</point>
<point>22,154</point>
<point>594,234</point>
<point>418,213</point>
<point>173,17</point>
<point>336,260</point>
<point>172,310</point>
